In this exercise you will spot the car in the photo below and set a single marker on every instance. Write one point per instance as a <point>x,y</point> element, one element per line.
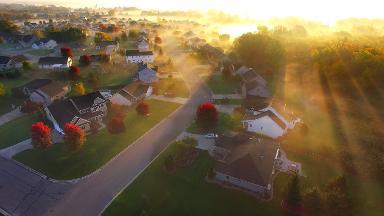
<point>211,136</point>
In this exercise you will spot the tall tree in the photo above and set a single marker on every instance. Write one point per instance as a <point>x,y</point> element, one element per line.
<point>74,136</point>
<point>41,135</point>
<point>2,90</point>
<point>74,72</point>
<point>7,26</point>
<point>66,51</point>
<point>336,197</point>
<point>207,115</point>
<point>79,88</point>
<point>142,108</point>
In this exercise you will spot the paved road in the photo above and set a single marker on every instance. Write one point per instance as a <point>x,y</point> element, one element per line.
<point>23,192</point>
<point>90,196</point>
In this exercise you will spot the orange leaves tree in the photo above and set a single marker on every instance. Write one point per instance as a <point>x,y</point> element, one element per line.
<point>41,135</point>
<point>116,125</point>
<point>142,108</point>
<point>74,136</point>
<point>206,115</point>
<point>66,52</point>
<point>74,72</point>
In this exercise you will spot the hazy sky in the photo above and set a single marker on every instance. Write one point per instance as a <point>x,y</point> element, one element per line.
<point>322,10</point>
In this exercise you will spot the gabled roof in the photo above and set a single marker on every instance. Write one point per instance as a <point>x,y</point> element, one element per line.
<point>4,59</point>
<point>53,60</point>
<point>138,53</point>
<point>43,40</point>
<point>54,88</point>
<point>86,101</point>
<point>107,43</point>
<point>19,58</point>
<point>252,161</point>
<point>36,84</point>
<point>63,111</point>
<point>268,113</point>
<point>136,89</point>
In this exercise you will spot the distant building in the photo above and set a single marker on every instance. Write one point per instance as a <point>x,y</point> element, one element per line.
<point>136,56</point>
<point>44,43</point>
<point>6,63</point>
<point>55,62</point>
<point>114,45</point>
<point>131,94</point>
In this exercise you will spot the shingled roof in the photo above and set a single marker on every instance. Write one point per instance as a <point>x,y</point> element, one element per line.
<point>86,101</point>
<point>252,161</point>
<point>4,59</point>
<point>53,60</point>
<point>138,53</point>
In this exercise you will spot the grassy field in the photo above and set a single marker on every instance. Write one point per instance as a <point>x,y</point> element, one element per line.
<point>17,130</point>
<point>174,86</point>
<point>186,192</point>
<point>59,163</point>
<point>40,52</point>
<point>218,85</point>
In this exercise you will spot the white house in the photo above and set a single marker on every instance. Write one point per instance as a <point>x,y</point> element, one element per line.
<point>136,56</point>
<point>44,43</point>
<point>55,62</point>
<point>269,122</point>
<point>131,94</point>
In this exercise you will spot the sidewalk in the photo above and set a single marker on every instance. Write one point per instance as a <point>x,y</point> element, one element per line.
<point>226,108</point>
<point>178,100</point>
<point>11,116</point>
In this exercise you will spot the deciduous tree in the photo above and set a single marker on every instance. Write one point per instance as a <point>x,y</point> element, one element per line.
<point>293,197</point>
<point>41,135</point>
<point>142,108</point>
<point>79,88</point>
<point>2,90</point>
<point>313,202</point>
<point>74,72</point>
<point>74,136</point>
<point>30,106</point>
<point>66,51</point>
<point>85,60</point>
<point>116,125</point>
<point>207,115</point>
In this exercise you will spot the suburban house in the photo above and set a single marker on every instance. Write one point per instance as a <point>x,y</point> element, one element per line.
<point>254,88</point>
<point>113,45</point>
<point>6,63</point>
<point>145,74</point>
<point>79,110</point>
<point>49,93</point>
<point>142,43</point>
<point>18,60</point>
<point>28,88</point>
<point>44,43</point>
<point>246,163</point>
<point>131,94</point>
<point>26,41</point>
<point>55,62</point>
<point>137,56</point>
<point>269,122</point>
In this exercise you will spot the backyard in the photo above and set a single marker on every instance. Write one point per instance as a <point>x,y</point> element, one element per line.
<point>59,163</point>
<point>171,86</point>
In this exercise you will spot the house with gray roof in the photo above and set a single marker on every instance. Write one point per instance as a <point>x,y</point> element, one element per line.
<point>248,164</point>
<point>55,62</point>
<point>44,43</point>
<point>137,56</point>
<point>131,94</point>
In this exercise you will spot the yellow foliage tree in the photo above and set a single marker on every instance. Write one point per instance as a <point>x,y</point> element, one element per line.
<point>79,88</point>
<point>2,89</point>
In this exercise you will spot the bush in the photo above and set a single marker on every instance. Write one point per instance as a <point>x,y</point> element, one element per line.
<point>207,115</point>
<point>142,108</point>
<point>66,51</point>
<point>116,125</point>
<point>85,60</point>
<point>41,135</point>
<point>30,106</point>
<point>74,136</point>
<point>27,65</point>
<point>74,72</point>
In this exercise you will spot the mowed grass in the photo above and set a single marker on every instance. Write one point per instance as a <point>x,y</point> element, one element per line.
<point>59,163</point>
<point>185,192</point>
<point>218,85</point>
<point>174,86</point>
<point>17,130</point>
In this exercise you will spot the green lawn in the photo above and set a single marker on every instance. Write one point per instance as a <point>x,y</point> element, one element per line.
<point>230,102</point>
<point>57,162</point>
<point>218,85</point>
<point>17,130</point>
<point>174,86</point>
<point>40,52</point>
<point>185,192</point>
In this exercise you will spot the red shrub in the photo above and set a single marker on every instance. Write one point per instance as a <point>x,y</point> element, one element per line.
<point>74,136</point>
<point>66,51</point>
<point>41,135</point>
<point>85,60</point>
<point>30,106</point>
<point>207,115</point>
<point>74,72</point>
<point>142,108</point>
<point>116,125</point>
